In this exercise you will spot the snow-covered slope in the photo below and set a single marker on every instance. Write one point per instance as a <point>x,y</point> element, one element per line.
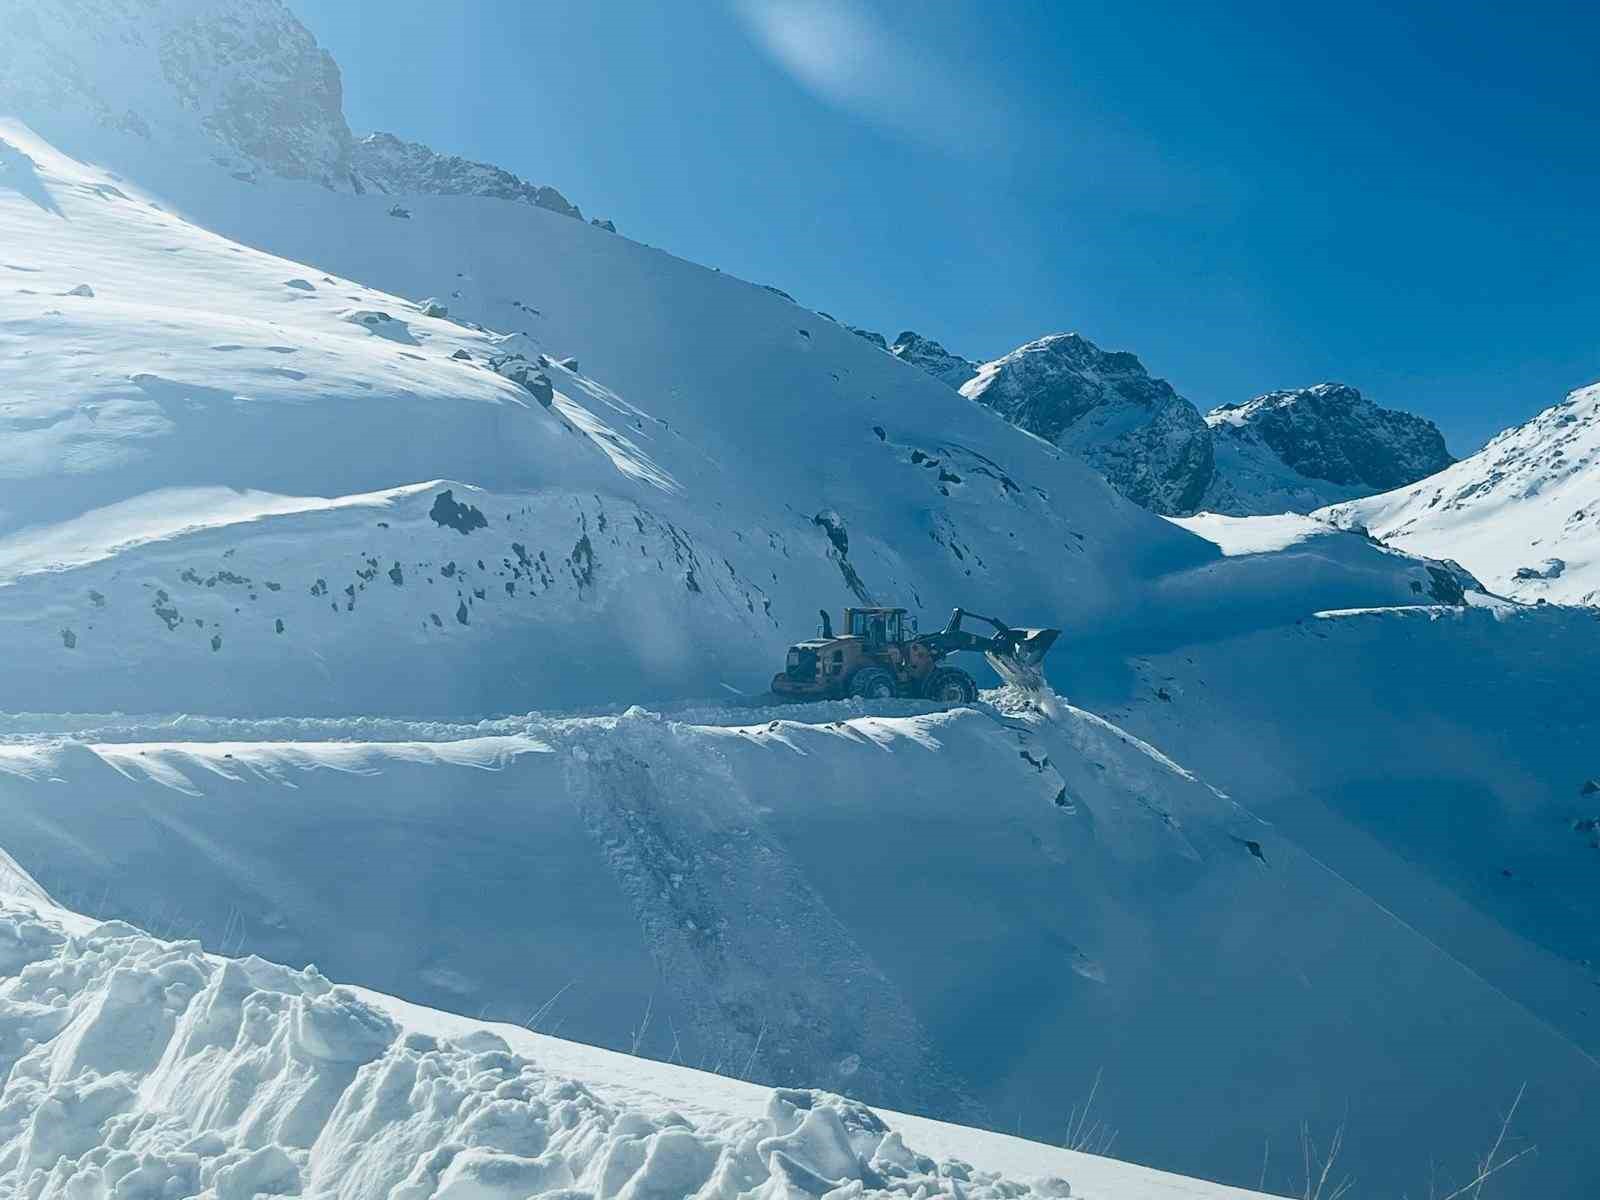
<point>1293,451</point>
<point>138,1067</point>
<point>662,496</point>
<point>1523,513</point>
<point>292,492</point>
<point>965,913</point>
<point>1149,442</point>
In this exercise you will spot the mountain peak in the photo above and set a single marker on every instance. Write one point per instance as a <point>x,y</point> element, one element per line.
<point>224,79</point>
<point>1149,442</point>
<point>933,358</point>
<point>1332,433</point>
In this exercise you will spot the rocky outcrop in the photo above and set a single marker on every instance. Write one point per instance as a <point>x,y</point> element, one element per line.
<point>933,358</point>
<point>1150,443</point>
<point>246,77</point>
<point>1299,449</point>
<point>241,82</point>
<point>402,168</point>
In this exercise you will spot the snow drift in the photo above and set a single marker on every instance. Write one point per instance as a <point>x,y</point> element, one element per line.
<point>139,1067</point>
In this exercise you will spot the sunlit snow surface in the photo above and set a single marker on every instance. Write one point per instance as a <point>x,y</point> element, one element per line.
<point>871,901</point>
<point>228,487</point>
<point>135,1066</point>
<point>1253,535</point>
<point>1523,512</point>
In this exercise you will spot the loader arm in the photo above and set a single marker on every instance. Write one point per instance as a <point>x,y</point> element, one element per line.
<point>1027,647</point>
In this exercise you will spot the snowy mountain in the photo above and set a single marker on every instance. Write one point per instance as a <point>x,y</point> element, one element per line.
<point>1287,451</point>
<point>1148,441</point>
<point>1523,512</point>
<point>933,358</point>
<point>240,82</point>
<point>274,453</point>
<point>1293,451</point>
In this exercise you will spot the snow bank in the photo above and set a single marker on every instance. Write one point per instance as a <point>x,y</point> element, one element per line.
<point>136,1067</point>
<point>962,913</point>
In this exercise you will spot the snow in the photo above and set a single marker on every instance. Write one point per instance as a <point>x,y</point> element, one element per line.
<point>650,498</point>
<point>280,466</point>
<point>1253,535</point>
<point>157,516</point>
<point>137,1066</point>
<point>1522,513</point>
<point>868,901</point>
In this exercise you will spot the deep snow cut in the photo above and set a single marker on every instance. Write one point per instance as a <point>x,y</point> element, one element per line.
<point>872,903</point>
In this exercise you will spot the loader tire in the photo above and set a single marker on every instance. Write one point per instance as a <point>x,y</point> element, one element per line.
<point>950,685</point>
<point>873,683</point>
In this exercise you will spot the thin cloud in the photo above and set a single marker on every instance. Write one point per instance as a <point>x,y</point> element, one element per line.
<point>845,55</point>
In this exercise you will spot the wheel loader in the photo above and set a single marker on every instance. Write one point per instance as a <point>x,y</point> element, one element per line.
<point>881,655</point>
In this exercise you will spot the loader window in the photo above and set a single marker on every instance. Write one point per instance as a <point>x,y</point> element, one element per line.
<point>877,627</point>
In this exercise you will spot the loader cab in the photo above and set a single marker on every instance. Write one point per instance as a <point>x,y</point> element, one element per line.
<point>879,626</point>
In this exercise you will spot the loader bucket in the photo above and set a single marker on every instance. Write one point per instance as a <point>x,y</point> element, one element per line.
<point>1033,644</point>
<point>1018,656</point>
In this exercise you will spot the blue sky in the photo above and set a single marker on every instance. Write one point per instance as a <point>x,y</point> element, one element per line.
<point>1248,196</point>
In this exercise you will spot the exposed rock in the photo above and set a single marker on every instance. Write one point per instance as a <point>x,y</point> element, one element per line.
<point>526,374</point>
<point>933,358</point>
<point>1300,449</point>
<point>432,308</point>
<point>1150,443</point>
<point>877,339</point>
<point>402,168</point>
<point>250,79</point>
<point>606,225</point>
<point>1551,568</point>
<point>452,514</point>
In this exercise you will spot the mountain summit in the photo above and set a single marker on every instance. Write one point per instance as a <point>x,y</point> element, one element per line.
<point>240,81</point>
<point>1149,442</point>
<point>1294,450</point>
